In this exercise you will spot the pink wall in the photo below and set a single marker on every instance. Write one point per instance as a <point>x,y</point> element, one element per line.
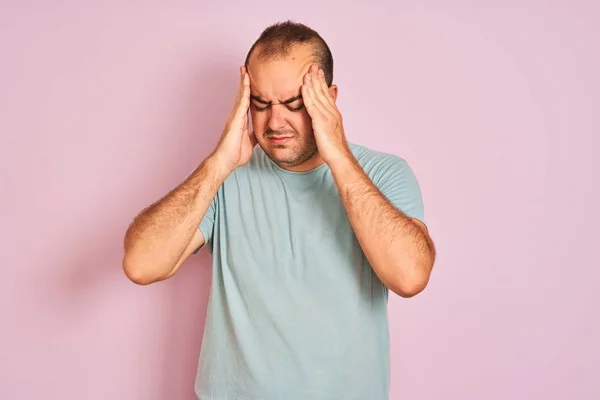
<point>103,109</point>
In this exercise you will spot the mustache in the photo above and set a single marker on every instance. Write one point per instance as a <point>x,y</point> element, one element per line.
<point>286,132</point>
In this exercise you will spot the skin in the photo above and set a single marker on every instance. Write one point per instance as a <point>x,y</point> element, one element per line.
<point>165,234</point>
<point>278,110</point>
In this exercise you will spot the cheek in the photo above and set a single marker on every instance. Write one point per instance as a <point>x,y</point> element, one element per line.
<point>301,122</point>
<point>259,120</point>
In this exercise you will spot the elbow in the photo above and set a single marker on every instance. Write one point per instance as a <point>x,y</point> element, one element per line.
<point>411,284</point>
<point>408,289</point>
<point>136,272</point>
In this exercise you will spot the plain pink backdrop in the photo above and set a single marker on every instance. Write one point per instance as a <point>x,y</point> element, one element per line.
<point>105,106</point>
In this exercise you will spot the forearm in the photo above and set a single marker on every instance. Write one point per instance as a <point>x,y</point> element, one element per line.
<point>158,236</point>
<point>400,252</point>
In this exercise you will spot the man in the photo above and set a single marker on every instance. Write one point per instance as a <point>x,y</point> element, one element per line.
<point>308,234</point>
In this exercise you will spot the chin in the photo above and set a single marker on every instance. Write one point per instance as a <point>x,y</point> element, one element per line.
<point>282,155</point>
<point>291,158</point>
<point>288,154</point>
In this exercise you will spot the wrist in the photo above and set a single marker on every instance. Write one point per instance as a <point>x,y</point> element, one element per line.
<point>219,166</point>
<point>348,173</point>
<point>341,161</point>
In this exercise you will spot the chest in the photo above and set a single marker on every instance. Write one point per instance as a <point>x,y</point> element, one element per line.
<point>274,223</point>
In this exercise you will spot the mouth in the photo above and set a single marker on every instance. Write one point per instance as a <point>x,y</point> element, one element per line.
<point>279,139</point>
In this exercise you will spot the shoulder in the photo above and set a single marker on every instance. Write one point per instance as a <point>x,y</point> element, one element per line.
<point>381,166</point>
<point>394,177</point>
<point>370,158</point>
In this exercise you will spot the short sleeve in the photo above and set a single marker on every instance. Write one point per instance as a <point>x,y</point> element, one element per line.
<point>207,225</point>
<point>397,181</point>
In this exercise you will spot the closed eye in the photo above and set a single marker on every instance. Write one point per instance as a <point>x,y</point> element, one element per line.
<point>260,108</point>
<point>295,104</point>
<point>296,109</point>
<point>266,107</point>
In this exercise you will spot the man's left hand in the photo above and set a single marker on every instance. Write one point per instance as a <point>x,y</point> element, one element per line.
<point>326,118</point>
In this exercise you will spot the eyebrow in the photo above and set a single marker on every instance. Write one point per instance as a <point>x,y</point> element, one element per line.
<point>288,101</point>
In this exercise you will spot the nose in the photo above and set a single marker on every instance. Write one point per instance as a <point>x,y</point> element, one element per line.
<point>276,117</point>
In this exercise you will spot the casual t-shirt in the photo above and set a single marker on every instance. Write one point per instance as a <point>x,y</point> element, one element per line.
<point>296,312</point>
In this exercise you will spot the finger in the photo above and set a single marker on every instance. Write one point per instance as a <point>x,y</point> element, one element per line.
<point>238,95</point>
<point>244,100</point>
<point>240,87</point>
<point>314,97</point>
<point>310,100</point>
<point>324,90</point>
<point>252,137</point>
<point>316,81</point>
<point>321,89</point>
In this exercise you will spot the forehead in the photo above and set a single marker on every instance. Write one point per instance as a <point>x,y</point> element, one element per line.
<point>278,78</point>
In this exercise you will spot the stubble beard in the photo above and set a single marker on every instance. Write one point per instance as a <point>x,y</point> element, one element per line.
<point>296,153</point>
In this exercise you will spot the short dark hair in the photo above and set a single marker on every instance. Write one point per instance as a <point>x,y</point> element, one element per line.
<point>278,39</point>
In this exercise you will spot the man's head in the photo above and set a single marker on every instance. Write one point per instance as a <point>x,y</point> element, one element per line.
<point>277,63</point>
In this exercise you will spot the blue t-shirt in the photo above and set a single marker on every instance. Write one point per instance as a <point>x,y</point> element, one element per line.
<point>295,311</point>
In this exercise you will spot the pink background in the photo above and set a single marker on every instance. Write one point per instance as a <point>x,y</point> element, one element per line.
<point>103,108</point>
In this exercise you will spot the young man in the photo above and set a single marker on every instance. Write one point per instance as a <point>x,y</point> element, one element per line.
<point>308,234</point>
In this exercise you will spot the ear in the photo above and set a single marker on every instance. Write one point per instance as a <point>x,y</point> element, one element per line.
<point>333,90</point>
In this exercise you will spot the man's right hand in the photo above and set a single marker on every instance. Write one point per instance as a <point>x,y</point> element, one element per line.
<point>237,144</point>
<point>165,234</point>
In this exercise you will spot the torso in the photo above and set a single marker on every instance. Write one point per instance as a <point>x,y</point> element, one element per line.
<point>296,310</point>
